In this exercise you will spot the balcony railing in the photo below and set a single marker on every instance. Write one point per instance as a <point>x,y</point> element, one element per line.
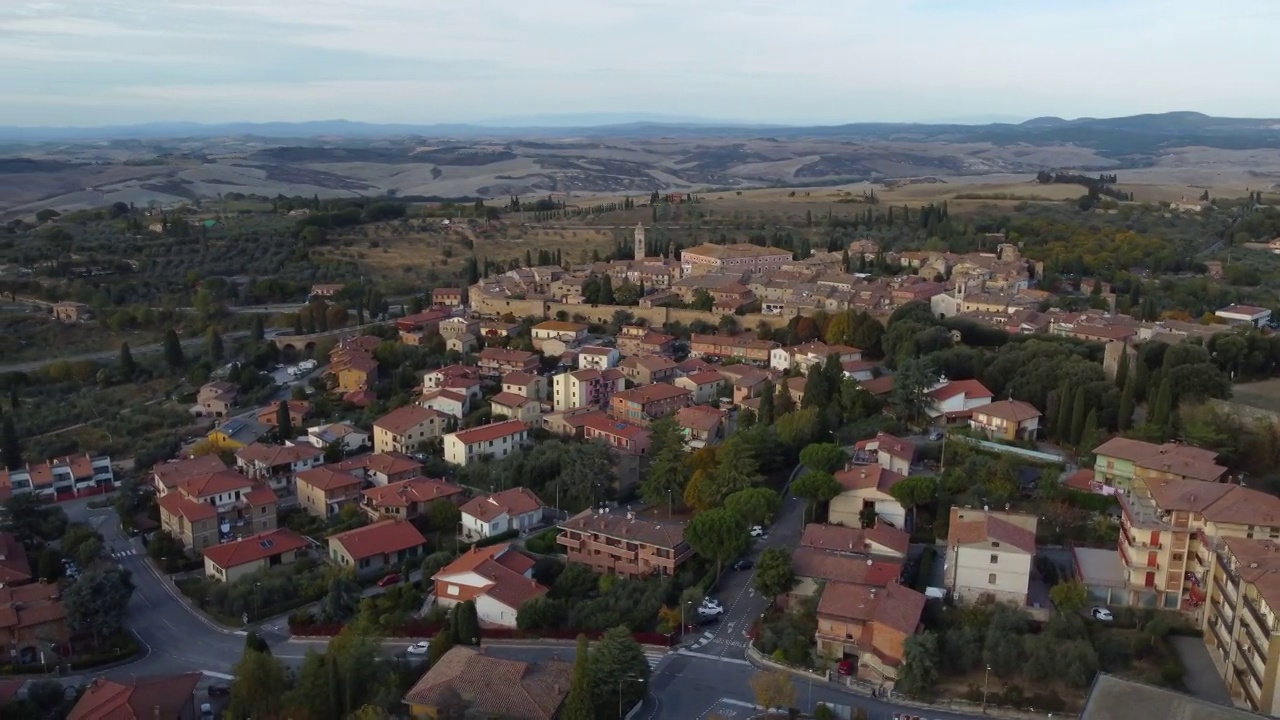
<point>1255,613</point>
<point>1219,631</point>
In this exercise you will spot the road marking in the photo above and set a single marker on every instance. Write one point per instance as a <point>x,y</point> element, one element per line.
<point>654,657</point>
<point>124,553</point>
<point>740,703</point>
<point>690,653</point>
<point>218,675</point>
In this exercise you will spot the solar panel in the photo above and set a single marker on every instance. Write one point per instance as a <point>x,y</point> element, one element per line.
<point>266,544</point>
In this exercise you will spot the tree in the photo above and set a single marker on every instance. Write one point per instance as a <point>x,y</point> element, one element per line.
<point>915,378</point>
<point>920,660</point>
<point>213,339</point>
<point>606,290</point>
<point>1069,597</point>
<point>736,469</point>
<point>774,573</point>
<point>1090,437</point>
<point>259,687</point>
<point>823,457</point>
<point>284,422</point>
<point>340,603</point>
<point>443,516</point>
<point>914,491</point>
<point>579,704</point>
<point>755,506</point>
<point>717,535</point>
<point>1078,413</point>
<point>173,356</point>
<point>1062,422</point>
<point>127,367</point>
<point>95,603</point>
<point>253,641</point>
<point>619,672</point>
<point>440,644</point>
<point>767,404</point>
<point>10,450</point>
<point>817,487</point>
<point>1122,369</point>
<point>1124,416</point>
<point>668,472</point>
<point>1162,411</point>
<point>259,331</point>
<point>773,689</point>
<point>466,624</point>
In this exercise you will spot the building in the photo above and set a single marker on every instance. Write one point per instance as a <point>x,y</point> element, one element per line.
<point>953,400</point>
<point>865,488</point>
<point>346,436</point>
<point>494,362</point>
<point>1113,698</point>
<point>31,618</point>
<point>642,405</point>
<point>585,388</point>
<point>516,509</point>
<point>456,327</point>
<point>324,490</point>
<point>167,475</point>
<point>527,385</point>
<point>648,369</point>
<point>408,499</point>
<point>741,347</point>
<point>702,425</point>
<point>426,322</point>
<point>455,404</point>
<point>450,297</point>
<point>816,567</point>
<point>566,332</point>
<point>624,545</point>
<point>887,451</point>
<point>495,441</point>
<point>442,378</point>
<point>1241,314</point>
<point>515,407</point>
<point>868,626</point>
<point>1007,420</point>
<point>739,257</point>
<point>597,358</point>
<point>215,399</point>
<point>235,433</point>
<point>205,510</point>
<point>355,374</point>
<point>620,436</point>
<point>463,681</point>
<point>160,697</point>
<point>989,555</point>
<point>376,547</point>
<point>299,411</point>
<point>498,579</point>
<point>382,468</point>
<point>277,465</point>
<point>71,312</point>
<point>879,540</point>
<point>1239,621</point>
<point>704,386</point>
<point>803,357</point>
<point>15,569</point>
<point>231,561</point>
<point>637,340</point>
<point>62,478</point>
<point>1120,461</point>
<point>402,430</point>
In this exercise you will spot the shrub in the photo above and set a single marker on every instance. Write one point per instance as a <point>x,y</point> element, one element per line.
<point>544,543</point>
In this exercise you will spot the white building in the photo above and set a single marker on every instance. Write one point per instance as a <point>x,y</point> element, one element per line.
<point>805,356</point>
<point>955,400</point>
<point>989,555</point>
<point>1239,314</point>
<point>489,515</point>
<point>61,477</point>
<point>495,441</point>
<point>351,438</point>
<point>598,358</point>
<point>499,579</point>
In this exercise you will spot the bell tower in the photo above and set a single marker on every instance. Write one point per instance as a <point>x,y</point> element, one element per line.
<point>639,245</point>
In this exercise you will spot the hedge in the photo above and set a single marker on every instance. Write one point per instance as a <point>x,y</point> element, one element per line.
<point>298,625</point>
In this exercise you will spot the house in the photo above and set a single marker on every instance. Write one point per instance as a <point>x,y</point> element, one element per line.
<point>408,499</point>
<point>61,478</point>
<point>1241,314</point>
<point>615,544</point>
<point>865,488</point>
<point>440,378</point>
<point>527,385</point>
<point>597,358</point>
<point>516,509</point>
<point>805,356</point>
<point>1237,623</point>
<point>586,388</point>
<point>741,347</point>
<point>372,548</point>
<point>637,340</point>
<point>71,312</point>
<point>277,465</point>
<point>570,423</point>
<point>860,370</point>
<point>989,555</point>
<point>620,436</point>
<point>231,561</point>
<point>495,440</point>
<point>204,510</point>
<point>31,618</point>
<point>450,297</point>
<point>1007,420</point>
<point>426,322</point>
<point>324,490</point>
<point>348,437</point>
<point>887,451</point>
<point>642,405</point>
<point>464,678</point>
<point>494,362</point>
<point>215,399</point>
<point>702,425</point>
<point>566,332</point>
<point>15,569</point>
<point>648,369</point>
<point>456,327</point>
<point>235,433</point>
<point>405,428</point>
<point>382,468</point>
<point>159,697</point>
<point>704,386</point>
<point>951,400</point>
<point>355,374</point>
<point>815,567</point>
<point>498,579</point>
<point>1119,461</point>
<point>299,411</point>
<point>738,257</point>
<point>167,475</point>
<point>515,407</point>
<point>455,404</point>
<point>868,626</point>
<point>880,540</point>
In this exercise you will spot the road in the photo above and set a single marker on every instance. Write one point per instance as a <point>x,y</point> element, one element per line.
<point>112,354</point>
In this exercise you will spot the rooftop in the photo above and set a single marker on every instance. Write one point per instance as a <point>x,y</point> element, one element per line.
<point>144,698</point>
<point>868,477</point>
<point>273,455</point>
<point>255,548</point>
<point>856,540</point>
<point>492,431</point>
<point>327,478</point>
<point>494,686</point>
<point>627,527</point>
<point>403,419</point>
<point>736,250</point>
<point>413,490</point>
<point>513,502</point>
<point>651,393</point>
<point>1012,410</point>
<point>387,536</point>
<point>1113,698</point>
<point>1176,458</point>
<point>989,528</point>
<point>504,568</point>
<point>838,566</point>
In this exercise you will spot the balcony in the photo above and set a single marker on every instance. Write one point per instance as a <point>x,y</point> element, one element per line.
<point>1219,632</point>
<point>1137,544</point>
<point>1255,613</point>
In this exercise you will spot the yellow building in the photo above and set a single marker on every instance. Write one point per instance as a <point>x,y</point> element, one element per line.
<point>1239,623</point>
<point>1120,460</point>
<point>402,430</point>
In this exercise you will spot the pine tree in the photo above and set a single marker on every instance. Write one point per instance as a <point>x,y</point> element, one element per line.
<point>1077,416</point>
<point>1124,416</point>
<point>578,705</point>
<point>127,367</point>
<point>10,450</point>
<point>173,356</point>
<point>284,423</point>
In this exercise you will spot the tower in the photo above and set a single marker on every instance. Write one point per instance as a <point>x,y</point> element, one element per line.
<point>640,247</point>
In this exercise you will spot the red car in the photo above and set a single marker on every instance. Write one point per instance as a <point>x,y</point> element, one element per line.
<point>389,580</point>
<point>845,667</point>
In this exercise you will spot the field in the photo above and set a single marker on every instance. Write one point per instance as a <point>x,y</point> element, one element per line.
<point>1264,395</point>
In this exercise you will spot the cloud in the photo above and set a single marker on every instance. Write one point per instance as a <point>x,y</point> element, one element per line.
<point>804,60</point>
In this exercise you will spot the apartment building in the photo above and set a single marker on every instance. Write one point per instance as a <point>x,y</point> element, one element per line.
<point>516,407</point>
<point>989,555</point>
<point>620,436</point>
<point>739,257</point>
<point>566,332</point>
<point>277,465</point>
<point>528,385</point>
<point>703,386</point>
<point>1007,420</point>
<point>495,440</point>
<point>323,491</point>
<point>585,388</point>
<point>598,358</point>
<point>402,430</point>
<point>702,425</point>
<point>624,545</point>
<point>454,404</point>
<point>866,488</point>
<point>1240,620</point>
<point>205,510</point>
<point>867,626</point>
<point>741,347</point>
<point>1120,461</point>
<point>642,405</point>
<point>60,478</point>
<point>637,340</point>
<point>648,369</point>
<point>408,499</point>
<point>167,475</point>
<point>494,362</point>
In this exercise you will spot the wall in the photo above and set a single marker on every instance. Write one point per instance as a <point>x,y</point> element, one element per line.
<point>486,305</point>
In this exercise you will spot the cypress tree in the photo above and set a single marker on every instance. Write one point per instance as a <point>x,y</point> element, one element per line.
<point>1122,369</point>
<point>127,367</point>
<point>606,290</point>
<point>579,704</point>
<point>1141,380</point>
<point>1162,411</point>
<point>766,405</point>
<point>284,423</point>
<point>259,332</point>
<point>1062,423</point>
<point>1124,417</point>
<point>10,450</point>
<point>1089,438</point>
<point>1077,417</point>
<point>173,356</point>
<point>213,339</point>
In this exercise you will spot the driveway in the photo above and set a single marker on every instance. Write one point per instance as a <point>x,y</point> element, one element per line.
<point>1201,678</point>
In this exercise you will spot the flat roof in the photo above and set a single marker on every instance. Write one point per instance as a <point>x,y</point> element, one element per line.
<point>1099,566</point>
<point>1113,698</point>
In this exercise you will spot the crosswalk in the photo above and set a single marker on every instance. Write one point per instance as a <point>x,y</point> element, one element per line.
<point>654,657</point>
<point>124,553</point>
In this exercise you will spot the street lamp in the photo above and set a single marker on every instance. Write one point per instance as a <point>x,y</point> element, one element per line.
<point>986,676</point>
<point>622,681</point>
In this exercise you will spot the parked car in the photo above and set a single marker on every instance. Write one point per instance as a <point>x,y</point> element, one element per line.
<point>710,610</point>
<point>1101,613</point>
<point>419,648</point>
<point>758,531</point>
<point>389,580</point>
<point>744,564</point>
<point>701,621</point>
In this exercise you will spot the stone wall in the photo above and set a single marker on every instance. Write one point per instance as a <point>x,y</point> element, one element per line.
<point>497,307</point>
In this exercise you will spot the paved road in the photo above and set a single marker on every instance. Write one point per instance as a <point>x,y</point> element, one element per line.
<point>111,354</point>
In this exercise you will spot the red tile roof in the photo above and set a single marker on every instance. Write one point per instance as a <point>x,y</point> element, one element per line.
<point>14,567</point>
<point>492,686</point>
<point>380,538</point>
<point>223,481</point>
<point>255,548</point>
<point>981,527</point>
<point>878,386</point>
<point>273,455</point>
<point>835,566</point>
<point>867,477</point>
<point>514,502</point>
<point>413,490</point>
<point>30,605</point>
<point>968,388</point>
<point>169,473</point>
<point>1014,411</point>
<point>510,400</point>
<point>145,698</point>
<point>855,540</point>
<point>388,463</point>
<point>492,431</point>
<point>326,478</point>
<point>609,426</point>
<point>669,535</point>
<point>503,567</point>
<point>175,503</point>
<point>403,419</point>
<point>652,393</point>
<point>705,377</point>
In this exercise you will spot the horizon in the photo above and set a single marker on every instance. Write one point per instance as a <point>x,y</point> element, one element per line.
<point>809,64</point>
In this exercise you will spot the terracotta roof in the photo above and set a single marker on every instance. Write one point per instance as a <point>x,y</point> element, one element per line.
<point>403,419</point>
<point>691,365</point>
<point>413,490</point>
<point>878,386</point>
<point>846,601</point>
<point>387,536</point>
<point>514,502</point>
<point>700,417</point>
<point>494,686</point>
<point>254,548</point>
<point>867,477</point>
<point>29,605</point>
<point>652,363</point>
<point>1250,310</point>
<point>895,446</point>
<point>845,567</point>
<point>492,431</point>
<point>261,495</point>
<point>504,567</point>
<point>175,503</point>
<point>969,388</point>
<point>595,350</point>
<point>1014,411</point>
<point>14,567</point>
<point>705,377</point>
<point>1081,480</point>
<point>989,529</point>
<point>273,455</point>
<point>1217,502</point>
<point>1258,562</point>
<point>388,463</point>
<point>899,607</point>
<point>745,342</point>
<point>560,326</point>
<point>503,355</point>
<point>667,535</point>
<point>223,481</point>
<point>145,698</point>
<point>510,400</point>
<point>651,393</point>
<point>169,473</point>
<point>326,478</point>
<point>1176,458</point>
<point>856,540</point>
<point>518,377</point>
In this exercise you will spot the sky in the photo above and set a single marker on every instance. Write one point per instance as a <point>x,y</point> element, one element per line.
<point>108,62</point>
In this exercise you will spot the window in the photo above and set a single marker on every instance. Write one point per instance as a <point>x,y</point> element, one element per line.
<point>995,559</point>
<point>995,544</point>
<point>991,579</point>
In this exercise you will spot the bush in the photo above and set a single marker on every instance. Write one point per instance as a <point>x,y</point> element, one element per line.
<point>544,543</point>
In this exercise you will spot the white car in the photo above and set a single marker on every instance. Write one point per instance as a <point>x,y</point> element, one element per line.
<point>1102,614</point>
<point>757,531</point>
<point>711,610</point>
<point>712,603</point>
<point>419,648</point>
